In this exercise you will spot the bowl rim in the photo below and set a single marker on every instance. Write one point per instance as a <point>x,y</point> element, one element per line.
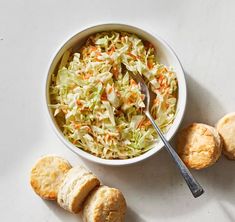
<point>119,162</point>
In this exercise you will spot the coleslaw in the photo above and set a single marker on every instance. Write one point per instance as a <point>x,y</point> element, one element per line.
<point>97,104</point>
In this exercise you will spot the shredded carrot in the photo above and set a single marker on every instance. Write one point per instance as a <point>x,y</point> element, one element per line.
<point>130,54</point>
<point>160,79</point>
<point>162,71</point>
<point>77,126</point>
<point>132,82</point>
<point>79,102</point>
<point>103,96</point>
<point>93,48</point>
<point>147,123</point>
<point>87,76</point>
<point>98,54</point>
<point>141,123</point>
<point>85,109</point>
<point>110,90</point>
<point>98,60</point>
<point>111,51</point>
<point>150,64</point>
<point>65,111</point>
<point>132,98</point>
<point>144,123</point>
<point>107,137</point>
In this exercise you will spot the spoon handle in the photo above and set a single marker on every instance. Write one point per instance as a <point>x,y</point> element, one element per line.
<point>193,185</point>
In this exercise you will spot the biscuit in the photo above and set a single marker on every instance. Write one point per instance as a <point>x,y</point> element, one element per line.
<point>226,128</point>
<point>47,175</point>
<point>104,204</point>
<point>75,188</point>
<point>199,145</point>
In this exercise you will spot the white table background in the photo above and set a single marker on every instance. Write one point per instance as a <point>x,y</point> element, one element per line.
<point>203,34</point>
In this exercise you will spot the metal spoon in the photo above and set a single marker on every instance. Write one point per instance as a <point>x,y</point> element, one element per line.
<point>193,185</point>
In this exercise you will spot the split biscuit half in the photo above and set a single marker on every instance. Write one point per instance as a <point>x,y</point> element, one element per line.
<point>78,183</point>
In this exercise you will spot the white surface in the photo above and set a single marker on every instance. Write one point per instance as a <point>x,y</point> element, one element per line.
<point>167,57</point>
<point>202,33</point>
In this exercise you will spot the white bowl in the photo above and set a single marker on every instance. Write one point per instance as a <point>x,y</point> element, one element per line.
<point>166,56</point>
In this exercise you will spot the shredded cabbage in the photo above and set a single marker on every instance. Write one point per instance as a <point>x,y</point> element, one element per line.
<point>97,104</point>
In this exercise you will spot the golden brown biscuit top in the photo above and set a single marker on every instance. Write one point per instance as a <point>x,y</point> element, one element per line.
<point>75,188</point>
<point>47,175</point>
<point>105,205</point>
<point>197,146</point>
